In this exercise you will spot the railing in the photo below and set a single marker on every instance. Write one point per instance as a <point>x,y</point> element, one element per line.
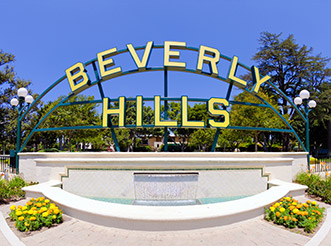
<point>321,164</point>
<point>5,164</point>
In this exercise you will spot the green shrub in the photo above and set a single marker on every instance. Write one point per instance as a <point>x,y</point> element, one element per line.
<point>49,150</point>
<point>12,189</point>
<point>143,149</point>
<point>316,185</point>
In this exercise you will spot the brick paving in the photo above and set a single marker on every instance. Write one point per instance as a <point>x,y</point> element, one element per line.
<point>246,233</point>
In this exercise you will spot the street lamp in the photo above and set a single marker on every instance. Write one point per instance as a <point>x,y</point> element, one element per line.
<point>308,106</point>
<point>23,96</point>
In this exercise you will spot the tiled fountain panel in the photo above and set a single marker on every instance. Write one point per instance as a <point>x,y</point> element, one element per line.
<point>128,184</point>
<point>100,183</point>
<point>166,186</point>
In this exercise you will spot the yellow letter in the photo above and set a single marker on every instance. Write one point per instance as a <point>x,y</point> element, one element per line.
<point>120,111</point>
<point>232,73</point>
<point>139,111</point>
<point>213,112</point>
<point>105,64</point>
<point>212,61</point>
<point>170,54</point>
<point>157,115</point>
<point>141,64</point>
<point>256,79</point>
<point>185,121</point>
<point>75,74</point>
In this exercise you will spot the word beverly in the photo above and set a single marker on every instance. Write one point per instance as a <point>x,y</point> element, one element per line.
<point>78,79</point>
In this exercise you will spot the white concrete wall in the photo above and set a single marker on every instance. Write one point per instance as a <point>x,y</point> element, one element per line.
<point>43,167</point>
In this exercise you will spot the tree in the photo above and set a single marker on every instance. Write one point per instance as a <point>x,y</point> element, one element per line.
<point>73,115</point>
<point>291,67</point>
<point>9,84</point>
<point>251,116</point>
<point>320,118</point>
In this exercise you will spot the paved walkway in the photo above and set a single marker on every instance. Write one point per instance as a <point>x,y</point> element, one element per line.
<point>246,233</point>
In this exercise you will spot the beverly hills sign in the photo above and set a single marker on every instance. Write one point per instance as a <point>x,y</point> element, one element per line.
<point>78,79</point>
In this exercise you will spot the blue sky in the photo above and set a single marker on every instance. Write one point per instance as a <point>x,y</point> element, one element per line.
<point>48,37</point>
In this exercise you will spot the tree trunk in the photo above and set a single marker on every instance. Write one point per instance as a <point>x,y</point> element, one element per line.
<point>69,139</point>
<point>286,141</point>
<point>256,134</point>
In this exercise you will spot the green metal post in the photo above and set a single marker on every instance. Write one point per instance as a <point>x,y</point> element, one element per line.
<point>165,109</point>
<point>307,133</point>
<point>218,129</point>
<point>18,141</point>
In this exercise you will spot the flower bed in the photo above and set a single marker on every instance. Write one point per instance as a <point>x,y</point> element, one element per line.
<point>35,214</point>
<point>291,213</point>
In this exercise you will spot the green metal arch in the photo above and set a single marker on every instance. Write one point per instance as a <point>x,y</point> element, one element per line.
<point>98,82</point>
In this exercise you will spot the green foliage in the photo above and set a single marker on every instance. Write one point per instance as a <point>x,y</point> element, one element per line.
<point>143,149</point>
<point>292,67</point>
<point>49,150</point>
<point>12,189</point>
<point>320,117</point>
<point>242,115</point>
<point>10,83</point>
<point>316,185</point>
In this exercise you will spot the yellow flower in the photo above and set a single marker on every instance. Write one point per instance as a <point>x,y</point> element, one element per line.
<point>19,207</point>
<point>21,218</point>
<point>282,209</point>
<point>12,207</point>
<point>308,201</point>
<point>272,208</point>
<point>41,199</point>
<point>305,205</point>
<point>38,204</point>
<point>288,199</point>
<point>33,218</point>
<point>24,208</point>
<point>299,206</point>
<point>26,224</point>
<point>45,214</point>
<point>30,212</point>
<point>34,208</point>
<point>46,201</point>
<point>32,199</point>
<point>25,211</point>
<point>56,211</point>
<point>35,212</point>
<point>295,210</point>
<point>43,209</point>
<point>54,217</point>
<point>294,203</point>
<point>314,203</point>
<point>18,213</point>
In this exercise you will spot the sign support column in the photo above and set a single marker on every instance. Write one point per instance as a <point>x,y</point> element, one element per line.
<point>165,109</point>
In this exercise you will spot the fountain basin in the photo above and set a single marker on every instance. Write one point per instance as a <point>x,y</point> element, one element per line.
<point>162,218</point>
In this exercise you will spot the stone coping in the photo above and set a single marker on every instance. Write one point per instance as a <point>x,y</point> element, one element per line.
<point>157,218</point>
<point>160,154</point>
<point>164,160</point>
